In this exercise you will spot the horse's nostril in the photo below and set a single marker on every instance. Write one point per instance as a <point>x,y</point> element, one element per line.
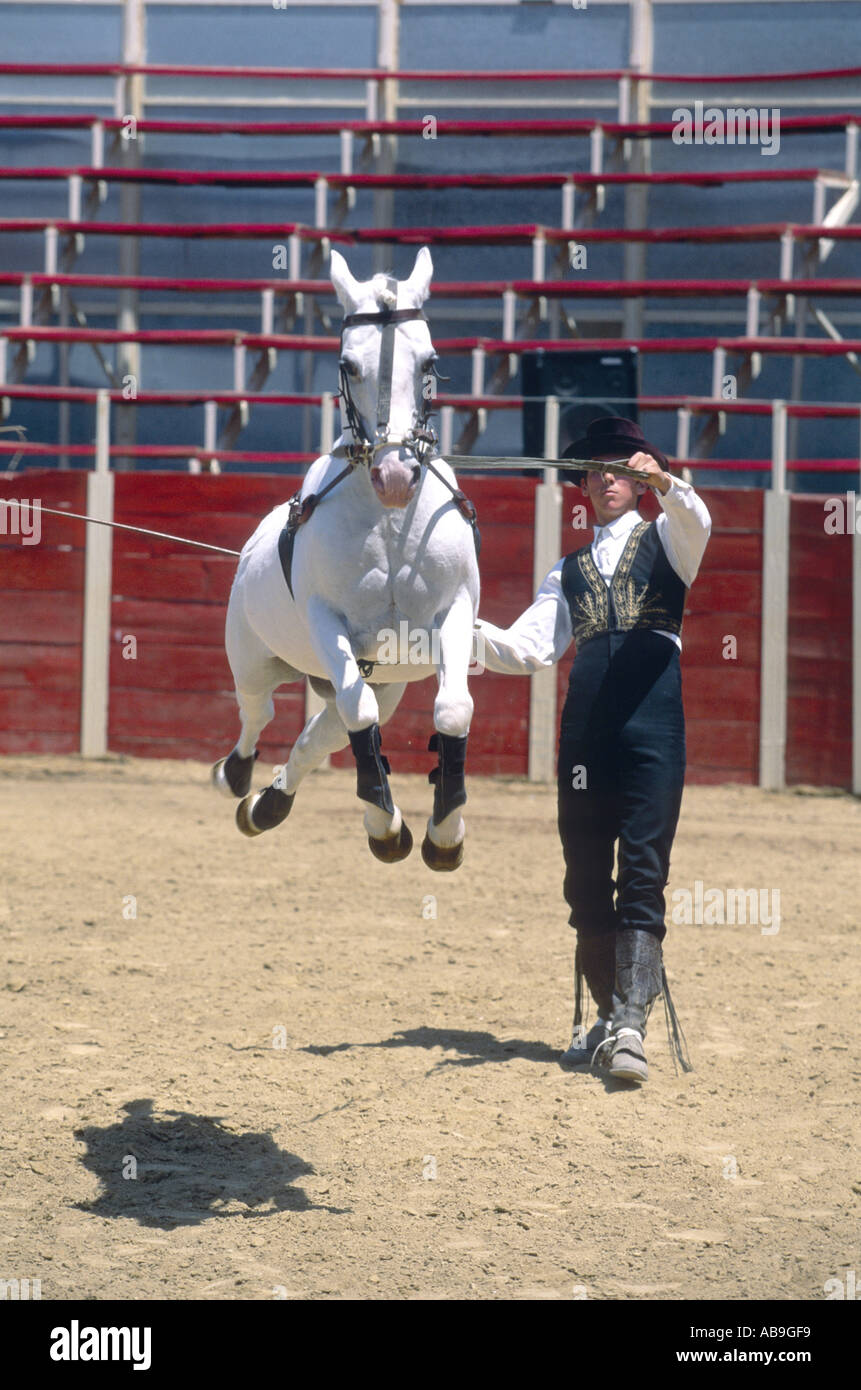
<point>375,473</point>
<point>417,469</point>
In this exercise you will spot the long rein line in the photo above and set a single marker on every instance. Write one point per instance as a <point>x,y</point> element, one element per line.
<point>117,525</point>
<point>616,466</point>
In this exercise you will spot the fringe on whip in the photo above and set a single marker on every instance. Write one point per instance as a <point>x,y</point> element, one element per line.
<point>675,1032</point>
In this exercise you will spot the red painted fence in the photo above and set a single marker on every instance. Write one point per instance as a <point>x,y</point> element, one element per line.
<point>175,697</point>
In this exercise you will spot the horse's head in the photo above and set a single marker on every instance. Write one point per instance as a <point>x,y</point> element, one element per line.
<point>386,355</point>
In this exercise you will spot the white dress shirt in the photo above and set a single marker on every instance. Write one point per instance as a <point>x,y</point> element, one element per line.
<point>542,634</point>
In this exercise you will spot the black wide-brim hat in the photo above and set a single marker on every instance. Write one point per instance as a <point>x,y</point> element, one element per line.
<point>613,435</point>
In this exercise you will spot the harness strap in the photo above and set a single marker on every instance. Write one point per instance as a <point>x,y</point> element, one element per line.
<point>301,510</point>
<point>464,505</point>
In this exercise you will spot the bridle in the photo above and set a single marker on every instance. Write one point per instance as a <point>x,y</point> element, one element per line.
<point>421,439</point>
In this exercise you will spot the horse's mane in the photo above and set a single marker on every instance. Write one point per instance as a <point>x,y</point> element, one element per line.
<point>385,298</point>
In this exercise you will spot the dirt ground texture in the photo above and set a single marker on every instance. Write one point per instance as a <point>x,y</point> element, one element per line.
<point>285,1077</point>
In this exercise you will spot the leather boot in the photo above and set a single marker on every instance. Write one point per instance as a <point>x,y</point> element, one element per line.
<point>638,984</point>
<point>595,962</point>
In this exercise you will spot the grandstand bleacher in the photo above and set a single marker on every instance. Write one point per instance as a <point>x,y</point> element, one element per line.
<point>140,234</point>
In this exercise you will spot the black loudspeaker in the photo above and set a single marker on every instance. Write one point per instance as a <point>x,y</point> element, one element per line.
<point>589,384</point>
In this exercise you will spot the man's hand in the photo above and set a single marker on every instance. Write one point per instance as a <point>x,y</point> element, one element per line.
<point>654,474</point>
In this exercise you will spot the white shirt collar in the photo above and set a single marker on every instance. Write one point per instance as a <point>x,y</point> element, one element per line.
<point>622,526</point>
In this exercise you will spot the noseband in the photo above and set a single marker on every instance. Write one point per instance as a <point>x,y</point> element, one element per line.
<point>421,440</point>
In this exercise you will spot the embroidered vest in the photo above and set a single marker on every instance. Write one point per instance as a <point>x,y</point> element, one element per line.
<point>645,591</point>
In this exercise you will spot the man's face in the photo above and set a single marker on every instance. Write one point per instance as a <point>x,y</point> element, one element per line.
<point>611,496</point>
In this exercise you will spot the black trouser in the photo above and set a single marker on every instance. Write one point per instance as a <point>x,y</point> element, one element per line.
<point>621,771</point>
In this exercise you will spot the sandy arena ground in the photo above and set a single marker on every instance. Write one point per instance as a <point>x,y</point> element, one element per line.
<point>330,1093</point>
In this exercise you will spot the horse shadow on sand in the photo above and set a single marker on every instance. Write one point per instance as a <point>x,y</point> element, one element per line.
<point>179,1169</point>
<point>474,1049</point>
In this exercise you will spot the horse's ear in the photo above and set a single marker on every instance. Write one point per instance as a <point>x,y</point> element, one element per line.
<point>346,287</point>
<point>421,276</point>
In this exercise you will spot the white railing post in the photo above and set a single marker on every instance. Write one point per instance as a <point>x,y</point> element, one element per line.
<point>718,371</point>
<point>372,104</point>
<point>95,657</point>
<point>596,150</point>
<point>321,202</point>
<point>25,307</point>
<point>478,361</point>
<point>267,312</point>
<point>239,366</point>
<point>51,244</point>
<point>569,190</point>
<point>751,327</point>
<point>509,325</point>
<point>774,647</point>
<point>294,257</point>
<point>539,247</point>
<point>545,553</point>
<point>683,439</point>
<point>97,145</point>
<point>624,100</point>
<point>210,426</point>
<point>787,254</point>
<point>75,200</point>
<point>851,165</point>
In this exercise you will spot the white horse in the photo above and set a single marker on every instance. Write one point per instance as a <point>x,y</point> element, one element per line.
<point>388,553</point>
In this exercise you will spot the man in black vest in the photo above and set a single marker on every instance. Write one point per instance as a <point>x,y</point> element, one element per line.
<point>621,764</point>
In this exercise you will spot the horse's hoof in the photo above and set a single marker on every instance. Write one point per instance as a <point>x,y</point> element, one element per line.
<point>232,775</point>
<point>442,858</point>
<point>394,847</point>
<point>263,811</point>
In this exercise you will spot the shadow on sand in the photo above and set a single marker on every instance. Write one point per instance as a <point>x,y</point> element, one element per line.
<point>187,1169</point>
<point>474,1048</point>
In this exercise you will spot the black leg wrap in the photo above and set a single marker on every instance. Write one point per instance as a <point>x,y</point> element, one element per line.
<point>239,771</point>
<point>272,808</point>
<point>639,978</point>
<point>448,776</point>
<point>372,783</point>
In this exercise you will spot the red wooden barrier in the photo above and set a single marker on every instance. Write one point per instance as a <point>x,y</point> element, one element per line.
<point>41,616</point>
<point>175,698</point>
<point>819,701</point>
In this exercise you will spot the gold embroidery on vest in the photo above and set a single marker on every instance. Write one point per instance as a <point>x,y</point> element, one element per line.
<point>633,606</point>
<point>593,608</point>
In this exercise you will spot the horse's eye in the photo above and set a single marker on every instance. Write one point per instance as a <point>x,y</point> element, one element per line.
<point>350,367</point>
<point>428,362</point>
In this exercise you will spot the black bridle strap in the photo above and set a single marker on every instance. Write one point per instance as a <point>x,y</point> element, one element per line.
<point>388,319</point>
<point>382,315</point>
<point>387,360</point>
